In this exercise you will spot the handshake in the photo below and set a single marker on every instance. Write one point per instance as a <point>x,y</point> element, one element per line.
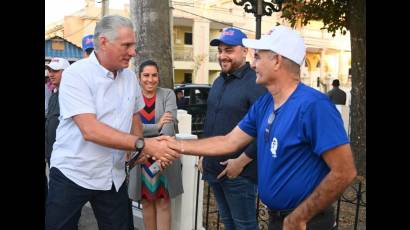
<point>163,149</point>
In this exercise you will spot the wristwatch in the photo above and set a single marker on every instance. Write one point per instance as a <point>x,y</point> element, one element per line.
<point>139,144</point>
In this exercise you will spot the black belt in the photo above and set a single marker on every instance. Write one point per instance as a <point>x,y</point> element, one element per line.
<point>282,213</point>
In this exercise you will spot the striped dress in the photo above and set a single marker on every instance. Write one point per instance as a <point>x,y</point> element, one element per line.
<point>155,187</point>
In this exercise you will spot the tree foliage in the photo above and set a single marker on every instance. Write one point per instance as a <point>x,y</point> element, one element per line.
<point>333,13</point>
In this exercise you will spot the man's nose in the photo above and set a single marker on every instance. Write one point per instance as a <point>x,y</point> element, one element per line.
<point>253,64</point>
<point>132,52</point>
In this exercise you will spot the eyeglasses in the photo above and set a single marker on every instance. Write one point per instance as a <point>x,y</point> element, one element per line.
<point>269,126</point>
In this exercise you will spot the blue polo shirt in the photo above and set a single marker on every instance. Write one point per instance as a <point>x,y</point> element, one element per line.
<point>290,166</point>
<point>230,98</point>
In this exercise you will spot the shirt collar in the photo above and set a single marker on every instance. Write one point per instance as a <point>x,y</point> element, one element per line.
<point>105,71</point>
<point>239,73</point>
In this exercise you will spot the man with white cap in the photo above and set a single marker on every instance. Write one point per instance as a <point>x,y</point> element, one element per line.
<point>55,70</point>
<point>304,157</point>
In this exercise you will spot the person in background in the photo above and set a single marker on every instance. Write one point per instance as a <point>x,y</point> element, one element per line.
<point>159,118</point>
<point>55,71</point>
<point>181,100</point>
<point>337,96</point>
<point>47,94</point>
<point>88,45</point>
<point>232,177</point>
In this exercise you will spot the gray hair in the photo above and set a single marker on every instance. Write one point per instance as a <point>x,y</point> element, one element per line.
<point>108,27</point>
<point>289,65</point>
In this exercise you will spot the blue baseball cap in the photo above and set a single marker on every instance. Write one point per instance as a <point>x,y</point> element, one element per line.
<point>229,36</point>
<point>88,42</point>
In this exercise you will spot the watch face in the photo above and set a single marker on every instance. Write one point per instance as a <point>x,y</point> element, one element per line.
<point>140,143</point>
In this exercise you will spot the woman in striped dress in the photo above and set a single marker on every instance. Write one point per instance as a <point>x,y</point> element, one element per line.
<point>158,118</point>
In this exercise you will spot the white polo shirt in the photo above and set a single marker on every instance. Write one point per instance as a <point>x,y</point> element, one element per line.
<point>87,87</point>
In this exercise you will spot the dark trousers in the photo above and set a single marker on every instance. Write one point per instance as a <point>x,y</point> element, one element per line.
<point>66,199</point>
<point>236,200</point>
<point>322,221</point>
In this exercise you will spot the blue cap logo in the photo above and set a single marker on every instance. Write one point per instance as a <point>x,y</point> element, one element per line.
<point>88,42</point>
<point>230,37</point>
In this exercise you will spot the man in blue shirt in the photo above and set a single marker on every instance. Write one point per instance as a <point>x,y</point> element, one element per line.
<point>304,157</point>
<point>232,177</point>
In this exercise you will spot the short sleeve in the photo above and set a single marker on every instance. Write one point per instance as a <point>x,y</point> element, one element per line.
<point>323,127</point>
<point>75,95</point>
<point>139,100</point>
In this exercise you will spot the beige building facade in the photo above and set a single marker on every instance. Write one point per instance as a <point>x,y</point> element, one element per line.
<point>197,22</point>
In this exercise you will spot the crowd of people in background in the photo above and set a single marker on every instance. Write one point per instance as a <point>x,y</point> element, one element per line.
<point>266,134</point>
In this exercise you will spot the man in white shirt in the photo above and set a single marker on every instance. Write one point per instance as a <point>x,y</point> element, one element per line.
<point>99,103</point>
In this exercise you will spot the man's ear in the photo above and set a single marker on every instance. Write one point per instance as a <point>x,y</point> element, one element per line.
<point>277,61</point>
<point>245,51</point>
<point>103,42</point>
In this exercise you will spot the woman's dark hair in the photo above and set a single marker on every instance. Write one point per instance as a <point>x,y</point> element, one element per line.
<point>147,63</point>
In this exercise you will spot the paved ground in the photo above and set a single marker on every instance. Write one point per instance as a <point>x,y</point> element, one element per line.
<point>88,221</point>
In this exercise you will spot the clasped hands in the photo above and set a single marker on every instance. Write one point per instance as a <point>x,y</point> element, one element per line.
<point>163,149</point>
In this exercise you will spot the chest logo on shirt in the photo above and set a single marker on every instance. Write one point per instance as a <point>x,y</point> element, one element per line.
<point>274,147</point>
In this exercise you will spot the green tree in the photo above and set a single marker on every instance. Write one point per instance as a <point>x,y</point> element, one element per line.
<point>342,15</point>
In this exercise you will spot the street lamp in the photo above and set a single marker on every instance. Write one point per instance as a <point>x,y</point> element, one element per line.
<point>260,8</point>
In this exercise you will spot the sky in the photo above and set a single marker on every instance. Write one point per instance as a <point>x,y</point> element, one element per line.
<point>57,9</point>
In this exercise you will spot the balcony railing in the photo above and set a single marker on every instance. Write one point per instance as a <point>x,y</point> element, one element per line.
<point>183,54</point>
<point>213,55</point>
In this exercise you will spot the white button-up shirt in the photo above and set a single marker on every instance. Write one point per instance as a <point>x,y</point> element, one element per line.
<point>87,87</point>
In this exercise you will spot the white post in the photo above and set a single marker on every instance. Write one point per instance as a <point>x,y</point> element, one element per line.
<point>184,207</point>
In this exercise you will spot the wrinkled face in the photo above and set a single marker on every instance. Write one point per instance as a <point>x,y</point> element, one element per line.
<point>55,76</point>
<point>231,57</point>
<point>263,63</point>
<point>149,79</point>
<point>120,50</point>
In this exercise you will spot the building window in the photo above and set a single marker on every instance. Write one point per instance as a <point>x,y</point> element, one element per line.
<point>57,44</point>
<point>187,77</point>
<point>187,38</point>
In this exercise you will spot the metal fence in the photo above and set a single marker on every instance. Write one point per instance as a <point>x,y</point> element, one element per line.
<point>350,209</point>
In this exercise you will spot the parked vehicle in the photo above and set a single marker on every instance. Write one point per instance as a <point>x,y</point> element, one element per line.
<point>194,100</point>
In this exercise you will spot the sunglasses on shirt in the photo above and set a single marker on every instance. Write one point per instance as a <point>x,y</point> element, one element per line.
<point>269,126</point>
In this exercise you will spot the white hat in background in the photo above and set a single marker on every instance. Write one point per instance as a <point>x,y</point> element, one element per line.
<point>58,63</point>
<point>281,40</point>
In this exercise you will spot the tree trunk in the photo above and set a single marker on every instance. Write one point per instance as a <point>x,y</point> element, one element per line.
<point>151,19</point>
<point>357,27</point>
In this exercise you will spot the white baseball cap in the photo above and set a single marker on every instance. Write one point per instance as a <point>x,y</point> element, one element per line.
<point>58,63</point>
<point>281,40</point>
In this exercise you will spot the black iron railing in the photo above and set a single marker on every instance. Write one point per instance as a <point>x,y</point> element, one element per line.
<point>350,209</point>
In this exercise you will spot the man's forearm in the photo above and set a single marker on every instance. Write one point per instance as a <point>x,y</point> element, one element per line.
<point>328,191</point>
<point>212,146</point>
<point>107,136</point>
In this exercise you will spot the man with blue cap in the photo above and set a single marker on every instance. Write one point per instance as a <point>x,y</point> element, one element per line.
<point>232,177</point>
<point>88,45</point>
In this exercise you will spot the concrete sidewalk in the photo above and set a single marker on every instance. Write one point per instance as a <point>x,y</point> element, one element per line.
<point>88,221</point>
